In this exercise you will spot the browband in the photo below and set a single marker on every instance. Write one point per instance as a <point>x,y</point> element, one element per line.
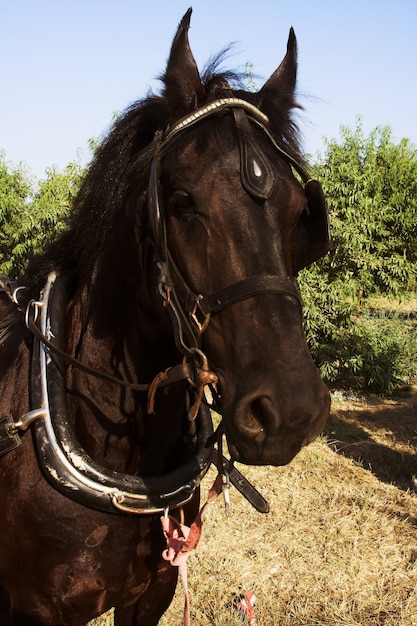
<point>214,107</point>
<point>217,106</point>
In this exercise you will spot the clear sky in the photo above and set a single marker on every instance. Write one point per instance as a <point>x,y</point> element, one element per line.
<point>68,65</point>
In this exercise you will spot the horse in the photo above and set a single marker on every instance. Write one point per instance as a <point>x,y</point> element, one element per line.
<point>171,293</point>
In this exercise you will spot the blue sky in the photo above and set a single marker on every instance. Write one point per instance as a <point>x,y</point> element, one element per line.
<point>67,66</point>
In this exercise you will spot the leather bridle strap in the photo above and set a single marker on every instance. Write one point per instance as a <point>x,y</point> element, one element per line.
<point>178,373</point>
<point>247,288</point>
<point>191,312</point>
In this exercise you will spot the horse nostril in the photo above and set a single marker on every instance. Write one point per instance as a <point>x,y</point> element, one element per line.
<point>252,418</point>
<point>257,413</point>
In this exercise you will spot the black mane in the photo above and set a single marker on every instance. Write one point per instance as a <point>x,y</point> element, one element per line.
<point>118,174</point>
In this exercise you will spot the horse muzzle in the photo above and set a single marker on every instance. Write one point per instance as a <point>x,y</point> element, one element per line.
<point>268,432</point>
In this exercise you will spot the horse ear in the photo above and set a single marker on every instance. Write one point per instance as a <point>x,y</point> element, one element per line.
<point>183,88</point>
<point>281,85</point>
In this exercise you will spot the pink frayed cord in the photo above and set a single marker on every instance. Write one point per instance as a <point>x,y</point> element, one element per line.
<point>182,539</point>
<point>246,606</point>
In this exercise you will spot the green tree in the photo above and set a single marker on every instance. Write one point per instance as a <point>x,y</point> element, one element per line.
<point>37,220</point>
<point>371,188</point>
<point>15,195</point>
<point>52,203</point>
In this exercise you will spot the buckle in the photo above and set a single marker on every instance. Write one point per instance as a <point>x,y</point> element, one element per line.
<point>9,437</point>
<point>201,326</point>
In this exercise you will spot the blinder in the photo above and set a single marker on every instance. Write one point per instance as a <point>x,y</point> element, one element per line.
<point>311,236</point>
<point>256,173</point>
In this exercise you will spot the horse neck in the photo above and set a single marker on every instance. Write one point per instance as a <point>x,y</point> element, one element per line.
<point>108,330</point>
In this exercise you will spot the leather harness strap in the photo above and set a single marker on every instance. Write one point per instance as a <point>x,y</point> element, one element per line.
<point>91,484</point>
<point>9,306</point>
<point>177,373</point>
<point>248,288</point>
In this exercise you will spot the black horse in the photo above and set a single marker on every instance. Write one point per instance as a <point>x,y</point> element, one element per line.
<point>177,267</point>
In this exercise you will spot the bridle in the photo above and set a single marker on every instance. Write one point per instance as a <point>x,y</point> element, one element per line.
<point>191,312</point>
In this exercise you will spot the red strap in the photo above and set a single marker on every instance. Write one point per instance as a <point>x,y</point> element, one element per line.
<point>181,540</point>
<point>246,606</point>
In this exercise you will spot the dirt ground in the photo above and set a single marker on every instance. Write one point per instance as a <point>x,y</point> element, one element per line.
<point>379,433</point>
<point>339,543</point>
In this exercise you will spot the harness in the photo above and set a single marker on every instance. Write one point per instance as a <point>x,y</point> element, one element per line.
<point>63,461</point>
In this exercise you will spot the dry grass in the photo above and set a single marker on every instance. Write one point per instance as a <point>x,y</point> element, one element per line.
<point>339,546</point>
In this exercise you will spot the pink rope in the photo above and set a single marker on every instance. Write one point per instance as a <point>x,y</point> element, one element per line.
<point>181,540</point>
<point>246,606</point>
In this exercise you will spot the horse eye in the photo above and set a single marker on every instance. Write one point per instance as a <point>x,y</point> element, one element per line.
<point>181,200</point>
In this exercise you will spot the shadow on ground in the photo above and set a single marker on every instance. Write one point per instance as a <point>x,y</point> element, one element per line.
<point>379,434</point>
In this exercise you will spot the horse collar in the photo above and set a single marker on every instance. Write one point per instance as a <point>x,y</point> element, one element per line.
<point>62,459</point>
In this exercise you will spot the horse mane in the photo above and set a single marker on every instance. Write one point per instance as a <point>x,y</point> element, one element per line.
<point>118,174</point>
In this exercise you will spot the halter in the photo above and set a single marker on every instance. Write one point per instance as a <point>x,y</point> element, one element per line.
<point>191,312</point>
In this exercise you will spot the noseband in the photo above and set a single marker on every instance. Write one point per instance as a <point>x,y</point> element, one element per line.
<point>191,312</point>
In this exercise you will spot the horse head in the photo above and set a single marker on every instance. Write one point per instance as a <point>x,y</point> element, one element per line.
<point>183,244</point>
<point>234,217</point>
